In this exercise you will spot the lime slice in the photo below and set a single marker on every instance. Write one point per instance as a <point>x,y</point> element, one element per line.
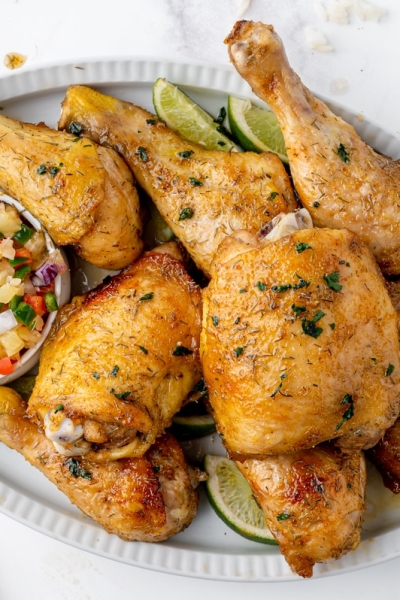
<point>183,115</point>
<point>192,427</point>
<point>231,497</point>
<point>256,128</point>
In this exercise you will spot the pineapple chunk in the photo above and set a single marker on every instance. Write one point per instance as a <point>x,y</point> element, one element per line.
<point>37,247</point>
<point>10,221</point>
<point>9,290</point>
<point>29,337</point>
<point>11,342</point>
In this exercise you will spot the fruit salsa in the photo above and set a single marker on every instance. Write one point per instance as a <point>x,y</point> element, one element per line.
<point>27,274</point>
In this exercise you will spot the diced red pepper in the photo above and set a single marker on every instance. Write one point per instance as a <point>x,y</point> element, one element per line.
<point>37,303</point>
<point>24,253</point>
<point>6,366</point>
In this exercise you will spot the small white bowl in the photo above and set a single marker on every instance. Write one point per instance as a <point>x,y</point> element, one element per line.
<point>62,290</point>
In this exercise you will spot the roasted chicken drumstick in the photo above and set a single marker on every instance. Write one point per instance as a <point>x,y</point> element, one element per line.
<point>313,502</point>
<point>203,195</point>
<point>341,180</point>
<point>83,194</point>
<point>119,361</point>
<point>147,499</point>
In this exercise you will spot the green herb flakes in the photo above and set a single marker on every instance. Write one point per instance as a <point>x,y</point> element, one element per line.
<point>349,413</point>
<point>343,154</point>
<point>143,349</point>
<point>274,393</point>
<point>96,376</point>
<point>242,291</point>
<point>260,285</point>
<point>332,326</point>
<point>195,182</point>
<point>298,310</point>
<point>142,153</point>
<point>186,213</point>
<point>281,288</point>
<point>301,246</point>
<point>332,280</point>
<point>310,328</point>
<point>273,195</point>
<point>58,408</point>
<point>282,516</point>
<point>41,170</point>
<point>215,321</point>
<point>114,371</point>
<point>151,121</point>
<point>147,297</point>
<point>238,352</point>
<point>76,470</point>
<point>316,204</point>
<point>389,370</point>
<point>186,154</point>
<point>75,128</point>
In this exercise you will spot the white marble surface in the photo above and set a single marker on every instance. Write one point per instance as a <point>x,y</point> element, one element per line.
<point>361,72</point>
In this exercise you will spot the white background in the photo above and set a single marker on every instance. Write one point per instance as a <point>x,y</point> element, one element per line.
<point>362,72</point>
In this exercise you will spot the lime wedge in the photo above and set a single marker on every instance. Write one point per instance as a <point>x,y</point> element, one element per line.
<point>192,427</point>
<point>231,497</point>
<point>256,128</point>
<point>181,114</point>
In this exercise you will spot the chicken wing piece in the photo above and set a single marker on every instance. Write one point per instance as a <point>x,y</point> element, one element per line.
<point>83,194</point>
<point>299,344</point>
<point>313,502</point>
<point>340,180</point>
<point>120,360</point>
<point>203,196</point>
<point>147,499</point>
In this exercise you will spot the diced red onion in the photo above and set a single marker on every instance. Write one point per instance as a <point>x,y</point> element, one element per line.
<point>46,273</point>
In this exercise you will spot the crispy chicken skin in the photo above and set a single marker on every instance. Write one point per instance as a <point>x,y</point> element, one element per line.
<point>313,502</point>
<point>338,177</point>
<point>222,192</point>
<point>83,194</point>
<point>290,362</point>
<point>121,360</point>
<point>147,499</point>
<point>386,457</point>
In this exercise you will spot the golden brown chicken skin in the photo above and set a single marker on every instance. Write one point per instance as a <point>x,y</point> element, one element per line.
<point>339,178</point>
<point>313,502</point>
<point>83,194</point>
<point>386,457</point>
<point>120,361</point>
<point>147,499</point>
<point>299,344</point>
<point>203,195</point>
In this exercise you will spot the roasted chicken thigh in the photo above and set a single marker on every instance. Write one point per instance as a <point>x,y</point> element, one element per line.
<point>83,194</point>
<point>339,178</point>
<point>119,361</point>
<point>299,344</point>
<point>313,502</point>
<point>203,195</point>
<point>146,499</point>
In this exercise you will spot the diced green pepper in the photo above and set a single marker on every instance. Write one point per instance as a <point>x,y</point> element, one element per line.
<point>24,234</point>
<point>25,314</point>
<point>14,302</point>
<point>22,272</point>
<point>18,260</point>
<point>50,301</point>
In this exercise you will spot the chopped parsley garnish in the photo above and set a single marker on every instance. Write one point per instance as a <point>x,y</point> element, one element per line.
<point>301,246</point>
<point>195,182</point>
<point>200,386</point>
<point>75,128</point>
<point>41,170</point>
<point>186,213</point>
<point>186,154</point>
<point>53,171</point>
<point>239,352</point>
<point>58,408</point>
<point>143,349</point>
<point>332,281</point>
<point>221,116</point>
<point>389,370</point>
<point>347,399</point>
<point>236,321</point>
<point>274,393</point>
<point>343,154</point>
<point>114,371</point>
<point>332,326</point>
<point>273,195</point>
<point>374,360</point>
<point>142,153</point>
<point>76,470</point>
<point>147,297</point>
<point>120,395</point>
<point>281,288</point>
<point>215,321</point>
<point>96,376</point>
<point>298,310</point>
<point>310,327</point>
<point>151,121</point>
<point>260,285</point>
<point>282,516</point>
<point>301,284</point>
<point>181,351</point>
<point>316,204</point>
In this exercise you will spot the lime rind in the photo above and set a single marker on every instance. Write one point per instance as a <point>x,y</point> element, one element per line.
<point>231,497</point>
<point>181,114</point>
<point>256,128</point>
<point>192,427</point>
